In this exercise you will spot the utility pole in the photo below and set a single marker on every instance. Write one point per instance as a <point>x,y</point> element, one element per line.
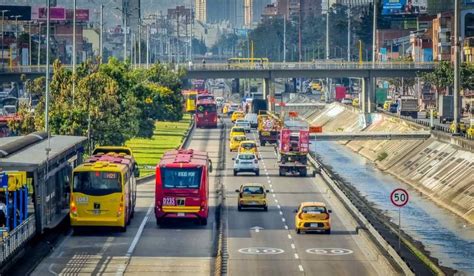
<point>349,33</point>
<point>300,57</point>
<point>327,30</point>
<point>147,46</point>
<point>374,34</point>
<point>457,64</point>
<point>74,50</point>
<point>284,37</point>
<point>3,18</point>
<point>29,43</point>
<point>16,37</point>
<point>139,41</point>
<point>39,44</point>
<point>101,41</point>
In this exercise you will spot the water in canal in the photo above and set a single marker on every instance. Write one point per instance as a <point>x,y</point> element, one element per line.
<point>446,236</point>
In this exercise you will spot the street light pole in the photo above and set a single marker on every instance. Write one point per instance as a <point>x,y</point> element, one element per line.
<point>456,64</point>
<point>327,30</point>
<point>3,18</point>
<point>73,51</point>
<point>374,31</point>
<point>148,47</point>
<point>349,33</point>
<point>139,42</point>
<point>46,109</point>
<point>284,37</point>
<point>29,43</point>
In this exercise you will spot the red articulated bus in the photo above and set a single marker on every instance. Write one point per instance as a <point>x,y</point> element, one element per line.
<point>182,186</point>
<point>206,113</point>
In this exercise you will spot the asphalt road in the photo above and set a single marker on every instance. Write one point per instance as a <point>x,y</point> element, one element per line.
<point>275,248</point>
<point>185,248</point>
<point>177,248</point>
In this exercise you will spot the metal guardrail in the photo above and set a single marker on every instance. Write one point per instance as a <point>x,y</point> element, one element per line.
<point>326,65</point>
<point>341,136</point>
<point>16,239</point>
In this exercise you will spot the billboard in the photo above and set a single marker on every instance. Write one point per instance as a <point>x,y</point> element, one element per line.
<point>404,7</point>
<point>56,13</point>
<point>81,14</point>
<point>23,11</point>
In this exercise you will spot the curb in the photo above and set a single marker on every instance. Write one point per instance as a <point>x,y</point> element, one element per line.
<point>361,218</point>
<point>183,144</point>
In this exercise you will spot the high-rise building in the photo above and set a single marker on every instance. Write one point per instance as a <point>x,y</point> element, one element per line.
<point>248,13</point>
<point>354,2</point>
<point>200,7</point>
<point>258,8</point>
<point>310,8</point>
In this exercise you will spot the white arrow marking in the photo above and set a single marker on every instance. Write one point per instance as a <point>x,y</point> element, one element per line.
<point>257,228</point>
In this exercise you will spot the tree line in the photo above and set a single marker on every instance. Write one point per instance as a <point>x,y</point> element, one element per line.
<point>110,102</point>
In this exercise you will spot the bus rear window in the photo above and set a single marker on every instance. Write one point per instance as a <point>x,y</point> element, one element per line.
<point>206,108</point>
<point>205,97</point>
<point>181,178</point>
<point>97,183</point>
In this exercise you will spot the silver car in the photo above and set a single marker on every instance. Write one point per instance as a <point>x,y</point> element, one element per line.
<point>243,124</point>
<point>246,162</point>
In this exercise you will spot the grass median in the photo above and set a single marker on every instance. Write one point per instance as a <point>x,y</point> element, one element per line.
<point>167,136</point>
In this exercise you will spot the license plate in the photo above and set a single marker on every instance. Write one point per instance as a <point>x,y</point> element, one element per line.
<point>96,212</point>
<point>265,133</point>
<point>180,214</point>
<point>314,225</point>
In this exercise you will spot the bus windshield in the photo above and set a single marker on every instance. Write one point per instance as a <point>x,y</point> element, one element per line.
<point>205,97</point>
<point>206,108</point>
<point>181,178</point>
<point>97,183</point>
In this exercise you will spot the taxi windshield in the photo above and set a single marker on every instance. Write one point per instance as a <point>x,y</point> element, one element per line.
<point>252,190</point>
<point>238,129</point>
<point>248,145</point>
<point>240,138</point>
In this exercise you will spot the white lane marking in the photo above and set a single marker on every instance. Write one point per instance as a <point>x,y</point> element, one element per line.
<point>139,232</point>
<point>289,236</point>
<point>283,219</point>
<point>293,246</point>
<point>296,256</point>
<point>279,207</point>
<point>301,268</point>
<point>269,181</point>
<point>266,173</point>
<point>270,185</point>
<point>50,269</point>
<point>281,213</point>
<point>286,227</point>
<point>276,200</point>
<point>272,190</point>
<point>273,195</point>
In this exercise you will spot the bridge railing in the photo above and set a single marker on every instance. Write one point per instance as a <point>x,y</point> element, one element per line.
<point>16,239</point>
<point>326,65</point>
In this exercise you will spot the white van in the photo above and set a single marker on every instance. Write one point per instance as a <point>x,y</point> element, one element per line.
<point>252,118</point>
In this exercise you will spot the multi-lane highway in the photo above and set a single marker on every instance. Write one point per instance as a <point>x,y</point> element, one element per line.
<point>258,242</point>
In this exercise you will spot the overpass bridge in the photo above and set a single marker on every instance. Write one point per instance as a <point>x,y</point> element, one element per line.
<point>367,71</point>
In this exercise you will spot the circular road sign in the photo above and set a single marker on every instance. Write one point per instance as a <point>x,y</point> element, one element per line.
<point>329,251</point>
<point>261,251</point>
<point>399,197</point>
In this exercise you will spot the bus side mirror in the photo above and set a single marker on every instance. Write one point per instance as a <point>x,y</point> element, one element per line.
<point>136,171</point>
<point>329,211</point>
<point>295,211</point>
<point>210,165</point>
<point>237,191</point>
<point>267,191</point>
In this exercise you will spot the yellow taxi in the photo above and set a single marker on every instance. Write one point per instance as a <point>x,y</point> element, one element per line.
<point>312,216</point>
<point>428,113</point>
<point>355,102</point>
<point>236,131</point>
<point>248,146</point>
<point>235,142</point>
<point>470,132</point>
<point>237,115</point>
<point>252,195</point>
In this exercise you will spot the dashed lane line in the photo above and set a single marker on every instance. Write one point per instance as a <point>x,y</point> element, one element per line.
<point>296,256</point>
<point>293,246</point>
<point>301,268</point>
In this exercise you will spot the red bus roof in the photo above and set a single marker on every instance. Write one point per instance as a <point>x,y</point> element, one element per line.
<point>184,158</point>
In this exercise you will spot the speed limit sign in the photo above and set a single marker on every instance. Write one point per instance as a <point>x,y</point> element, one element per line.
<point>399,197</point>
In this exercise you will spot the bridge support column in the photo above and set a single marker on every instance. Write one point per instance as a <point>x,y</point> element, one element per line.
<point>236,86</point>
<point>269,93</point>
<point>363,101</point>
<point>372,104</point>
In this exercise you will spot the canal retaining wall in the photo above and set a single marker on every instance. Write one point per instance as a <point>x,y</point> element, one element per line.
<point>438,167</point>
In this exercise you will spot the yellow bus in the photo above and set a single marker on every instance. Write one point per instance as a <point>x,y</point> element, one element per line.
<point>190,100</point>
<point>248,62</point>
<point>103,191</point>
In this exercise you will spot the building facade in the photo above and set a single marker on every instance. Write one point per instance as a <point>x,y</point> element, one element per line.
<point>200,7</point>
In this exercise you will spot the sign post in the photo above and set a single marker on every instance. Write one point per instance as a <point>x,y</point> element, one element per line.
<point>399,198</point>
